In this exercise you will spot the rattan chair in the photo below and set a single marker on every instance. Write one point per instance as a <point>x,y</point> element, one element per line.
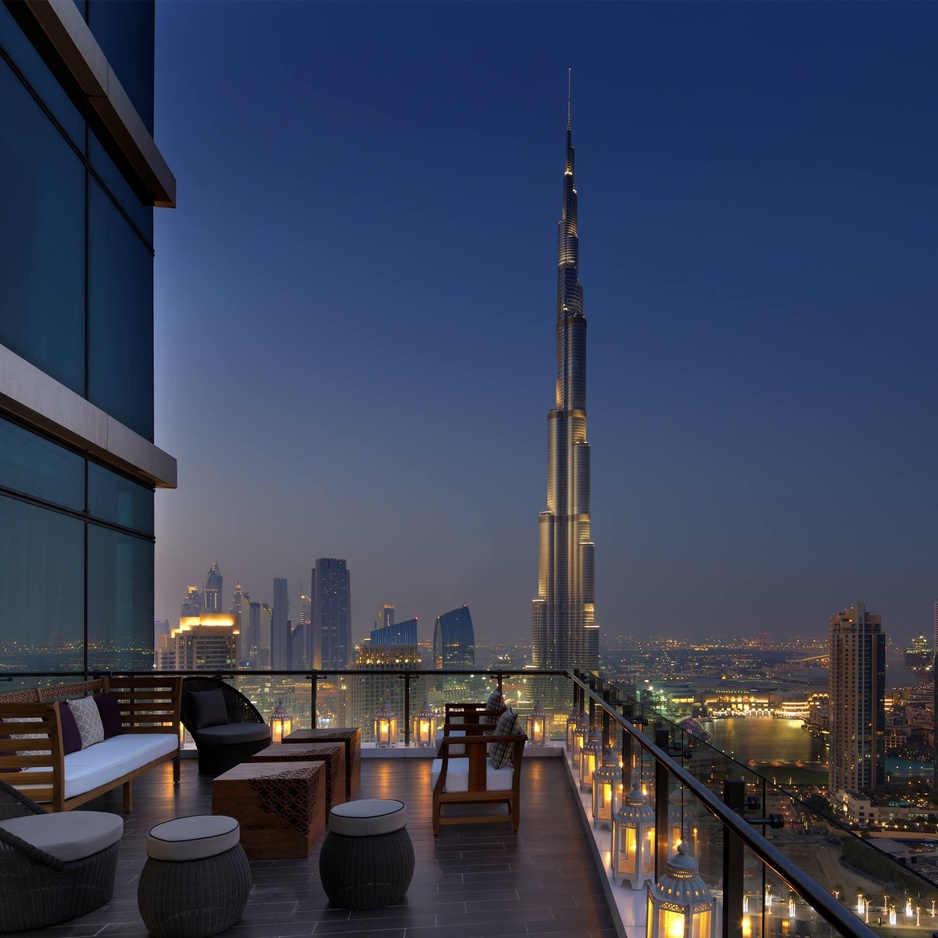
<point>38,889</point>
<point>222,747</point>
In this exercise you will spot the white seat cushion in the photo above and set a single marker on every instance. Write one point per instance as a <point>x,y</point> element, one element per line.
<point>103,762</point>
<point>68,835</point>
<point>193,838</point>
<point>457,775</point>
<point>368,817</point>
<point>453,750</point>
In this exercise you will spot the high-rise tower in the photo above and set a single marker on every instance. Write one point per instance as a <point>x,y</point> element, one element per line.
<point>563,631</point>
<point>330,608</point>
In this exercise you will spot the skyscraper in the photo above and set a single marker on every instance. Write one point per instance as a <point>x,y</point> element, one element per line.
<point>454,644</point>
<point>857,700</point>
<point>331,612</point>
<point>398,633</point>
<point>280,627</point>
<point>213,588</point>
<point>563,630</point>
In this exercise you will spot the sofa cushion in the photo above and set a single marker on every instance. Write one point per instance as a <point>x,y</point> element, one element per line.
<point>68,835</point>
<point>208,708</point>
<point>457,775</point>
<point>193,838</point>
<point>496,701</point>
<point>85,711</point>
<point>508,725</point>
<point>233,733</point>
<point>110,713</point>
<point>71,737</point>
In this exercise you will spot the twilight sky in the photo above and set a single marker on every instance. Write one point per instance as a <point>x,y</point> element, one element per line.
<point>355,305</point>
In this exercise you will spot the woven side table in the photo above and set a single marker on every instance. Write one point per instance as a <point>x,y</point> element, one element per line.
<point>367,859</point>
<point>196,880</point>
<point>333,754</point>
<point>350,737</point>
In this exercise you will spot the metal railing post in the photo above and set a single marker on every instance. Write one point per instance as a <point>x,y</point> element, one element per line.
<point>734,796</point>
<point>314,681</point>
<point>408,677</point>
<point>607,740</point>
<point>627,751</point>
<point>662,739</point>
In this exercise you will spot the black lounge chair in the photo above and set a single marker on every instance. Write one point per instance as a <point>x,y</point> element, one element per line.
<point>225,725</point>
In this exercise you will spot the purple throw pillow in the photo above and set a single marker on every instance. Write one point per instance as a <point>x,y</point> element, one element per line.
<point>71,738</point>
<point>110,713</point>
<point>8,751</point>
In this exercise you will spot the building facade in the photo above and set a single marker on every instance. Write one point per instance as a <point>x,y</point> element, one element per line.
<point>857,700</point>
<point>331,614</point>
<point>205,643</point>
<point>395,634</point>
<point>280,656</point>
<point>454,643</point>
<point>78,463</point>
<point>214,586</point>
<point>563,628</point>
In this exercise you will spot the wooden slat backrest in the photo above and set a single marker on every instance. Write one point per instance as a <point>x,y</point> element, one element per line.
<point>148,704</point>
<point>46,754</point>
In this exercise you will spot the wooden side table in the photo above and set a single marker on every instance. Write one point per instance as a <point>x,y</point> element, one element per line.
<point>333,754</point>
<point>350,736</point>
<point>281,807</point>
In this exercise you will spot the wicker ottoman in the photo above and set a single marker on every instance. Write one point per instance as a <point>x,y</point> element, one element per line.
<point>196,880</point>
<point>367,859</point>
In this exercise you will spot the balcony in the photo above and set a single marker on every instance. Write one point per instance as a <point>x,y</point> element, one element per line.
<point>553,876</point>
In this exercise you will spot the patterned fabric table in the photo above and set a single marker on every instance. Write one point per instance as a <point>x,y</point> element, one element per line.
<point>350,736</point>
<point>333,754</point>
<point>281,806</point>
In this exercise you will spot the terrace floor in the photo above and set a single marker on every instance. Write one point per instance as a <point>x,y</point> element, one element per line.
<point>474,881</point>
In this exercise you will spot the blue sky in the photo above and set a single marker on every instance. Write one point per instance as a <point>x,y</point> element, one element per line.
<point>355,304</point>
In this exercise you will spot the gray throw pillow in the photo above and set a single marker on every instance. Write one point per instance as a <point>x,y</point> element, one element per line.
<point>88,719</point>
<point>508,725</point>
<point>208,708</point>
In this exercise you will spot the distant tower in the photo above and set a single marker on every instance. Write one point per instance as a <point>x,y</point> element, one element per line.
<point>192,602</point>
<point>331,613</point>
<point>454,644</point>
<point>396,634</point>
<point>212,592</point>
<point>385,615</point>
<point>239,611</point>
<point>563,630</point>
<point>857,700</point>
<point>203,643</point>
<point>280,627</point>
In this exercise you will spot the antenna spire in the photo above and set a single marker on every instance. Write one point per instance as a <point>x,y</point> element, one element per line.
<point>569,98</point>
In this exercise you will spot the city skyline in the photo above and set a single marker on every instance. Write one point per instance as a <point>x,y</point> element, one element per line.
<point>757,189</point>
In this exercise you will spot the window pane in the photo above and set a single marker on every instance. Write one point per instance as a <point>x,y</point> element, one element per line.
<point>113,498</point>
<point>42,239</point>
<point>41,598</point>
<point>104,166</point>
<point>35,466</point>
<point>120,317</point>
<point>120,606</point>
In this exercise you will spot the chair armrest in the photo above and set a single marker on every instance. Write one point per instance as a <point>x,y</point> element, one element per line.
<point>31,852</point>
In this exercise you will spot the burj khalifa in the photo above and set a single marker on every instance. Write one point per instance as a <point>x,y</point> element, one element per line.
<point>563,628</point>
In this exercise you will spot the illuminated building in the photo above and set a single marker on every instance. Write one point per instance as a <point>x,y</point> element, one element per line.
<point>205,643</point>
<point>454,644</point>
<point>857,700</point>
<point>563,630</point>
<point>385,615</point>
<point>397,634</point>
<point>331,610</point>
<point>211,595</point>
<point>280,627</point>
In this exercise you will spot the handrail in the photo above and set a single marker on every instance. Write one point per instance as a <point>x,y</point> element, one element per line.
<point>816,896</point>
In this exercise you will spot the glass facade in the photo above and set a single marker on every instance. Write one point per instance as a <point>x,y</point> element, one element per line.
<point>454,644</point>
<point>76,303</point>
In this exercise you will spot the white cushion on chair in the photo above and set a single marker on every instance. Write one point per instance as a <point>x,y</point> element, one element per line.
<point>68,835</point>
<point>457,775</point>
<point>453,750</point>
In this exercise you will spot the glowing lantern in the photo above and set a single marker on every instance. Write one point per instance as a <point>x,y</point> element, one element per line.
<point>424,728</point>
<point>633,840</point>
<point>537,725</point>
<point>573,721</point>
<point>386,727</point>
<point>580,735</point>
<point>680,904</point>
<point>605,782</point>
<point>280,723</point>
<point>591,757</point>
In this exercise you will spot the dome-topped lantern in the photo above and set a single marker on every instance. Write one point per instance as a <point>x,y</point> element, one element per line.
<point>580,735</point>
<point>573,721</point>
<point>537,725</point>
<point>680,904</point>
<point>280,723</point>
<point>386,731</point>
<point>424,728</point>
<point>633,840</point>
<point>591,758</point>
<point>606,781</point>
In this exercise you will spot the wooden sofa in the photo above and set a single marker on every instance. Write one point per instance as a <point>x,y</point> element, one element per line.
<point>39,768</point>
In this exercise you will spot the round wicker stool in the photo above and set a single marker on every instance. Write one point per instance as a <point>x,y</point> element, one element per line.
<point>367,859</point>
<point>196,880</point>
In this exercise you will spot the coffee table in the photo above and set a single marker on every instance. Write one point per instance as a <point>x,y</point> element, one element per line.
<point>350,736</point>
<point>281,807</point>
<point>333,754</point>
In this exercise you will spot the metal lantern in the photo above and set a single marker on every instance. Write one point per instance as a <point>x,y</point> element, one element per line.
<point>680,904</point>
<point>579,737</point>
<point>573,721</point>
<point>605,781</point>
<point>633,840</point>
<point>424,728</point>
<point>537,725</point>
<point>591,757</point>
<point>386,727</point>
<point>280,723</point>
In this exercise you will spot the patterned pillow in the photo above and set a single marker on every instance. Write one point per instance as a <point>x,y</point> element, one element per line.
<point>496,701</point>
<point>85,711</point>
<point>508,724</point>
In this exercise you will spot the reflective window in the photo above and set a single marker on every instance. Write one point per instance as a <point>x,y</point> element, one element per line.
<point>36,466</point>
<point>120,317</point>
<point>41,597</point>
<point>114,498</point>
<point>42,239</point>
<point>36,72</point>
<point>120,601</point>
<point>124,32</point>
<point>112,177</point>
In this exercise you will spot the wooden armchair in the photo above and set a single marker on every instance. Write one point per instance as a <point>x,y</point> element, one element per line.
<point>472,779</point>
